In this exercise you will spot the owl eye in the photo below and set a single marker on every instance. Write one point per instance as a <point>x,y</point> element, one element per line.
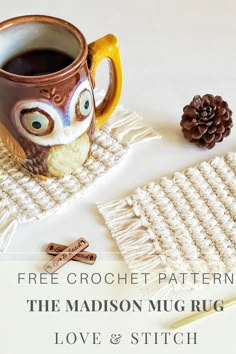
<point>84,105</point>
<point>36,121</point>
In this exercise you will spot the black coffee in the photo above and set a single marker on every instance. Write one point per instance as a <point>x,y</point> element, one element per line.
<point>38,62</point>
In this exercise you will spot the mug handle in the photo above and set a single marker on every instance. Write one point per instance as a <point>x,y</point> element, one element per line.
<point>106,47</point>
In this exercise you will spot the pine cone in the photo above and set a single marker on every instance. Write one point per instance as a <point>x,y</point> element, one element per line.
<point>206,121</point>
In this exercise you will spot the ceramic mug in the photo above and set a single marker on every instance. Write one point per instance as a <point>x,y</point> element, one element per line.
<point>47,74</point>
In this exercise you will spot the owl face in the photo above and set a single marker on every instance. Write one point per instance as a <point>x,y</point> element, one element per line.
<point>54,131</point>
<point>44,124</point>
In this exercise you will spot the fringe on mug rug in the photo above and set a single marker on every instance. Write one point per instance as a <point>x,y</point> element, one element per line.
<point>185,223</point>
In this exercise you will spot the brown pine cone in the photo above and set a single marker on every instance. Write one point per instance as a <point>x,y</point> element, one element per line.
<point>206,121</point>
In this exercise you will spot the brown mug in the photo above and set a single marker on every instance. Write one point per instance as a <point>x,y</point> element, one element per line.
<point>47,73</point>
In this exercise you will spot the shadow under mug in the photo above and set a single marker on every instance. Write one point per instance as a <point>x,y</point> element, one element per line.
<point>47,108</point>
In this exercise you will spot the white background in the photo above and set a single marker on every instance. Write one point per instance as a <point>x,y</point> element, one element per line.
<point>171,51</point>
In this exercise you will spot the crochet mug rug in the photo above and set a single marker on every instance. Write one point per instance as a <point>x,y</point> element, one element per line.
<point>24,198</point>
<point>182,224</point>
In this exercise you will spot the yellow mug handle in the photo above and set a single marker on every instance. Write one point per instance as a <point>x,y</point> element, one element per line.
<point>106,47</point>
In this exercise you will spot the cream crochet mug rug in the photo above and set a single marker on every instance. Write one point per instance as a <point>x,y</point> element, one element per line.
<point>24,198</point>
<point>181,224</point>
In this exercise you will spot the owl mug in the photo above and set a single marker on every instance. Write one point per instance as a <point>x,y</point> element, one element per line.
<point>47,108</point>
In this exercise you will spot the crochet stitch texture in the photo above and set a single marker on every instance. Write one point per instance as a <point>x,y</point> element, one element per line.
<point>183,223</point>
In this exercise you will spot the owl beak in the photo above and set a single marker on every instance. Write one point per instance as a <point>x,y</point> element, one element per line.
<point>68,132</point>
<point>75,130</point>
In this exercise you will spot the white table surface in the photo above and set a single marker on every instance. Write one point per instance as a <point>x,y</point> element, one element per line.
<point>171,50</point>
